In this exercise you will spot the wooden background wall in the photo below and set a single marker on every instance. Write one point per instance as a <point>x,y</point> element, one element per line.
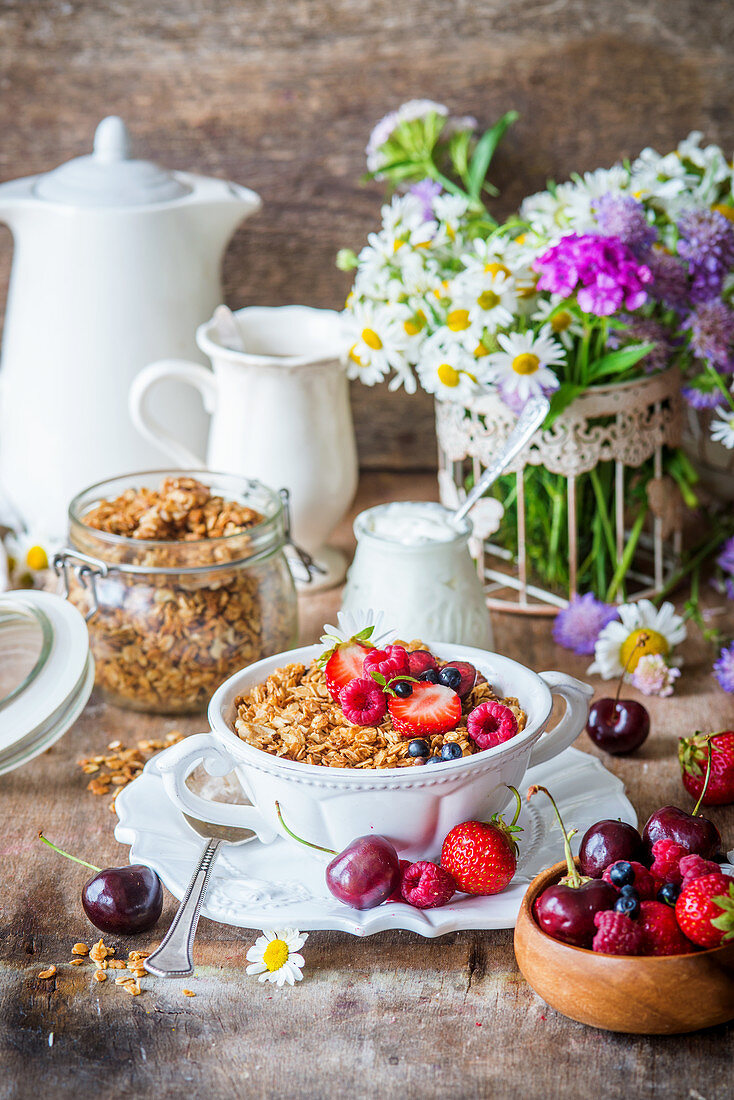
<point>281,95</point>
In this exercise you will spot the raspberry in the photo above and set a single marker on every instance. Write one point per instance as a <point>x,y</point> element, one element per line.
<point>363,702</point>
<point>643,881</point>
<point>420,660</point>
<point>660,932</point>
<point>693,867</point>
<point>491,724</point>
<point>666,856</point>
<point>617,934</point>
<point>426,885</point>
<point>390,662</point>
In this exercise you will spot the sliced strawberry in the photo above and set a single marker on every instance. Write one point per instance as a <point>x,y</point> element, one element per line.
<point>429,709</point>
<point>344,665</point>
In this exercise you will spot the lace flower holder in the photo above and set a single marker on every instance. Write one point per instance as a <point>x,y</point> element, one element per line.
<point>626,424</point>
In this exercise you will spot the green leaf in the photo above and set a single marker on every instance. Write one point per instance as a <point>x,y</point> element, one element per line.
<point>485,150</point>
<point>378,678</point>
<point>459,153</point>
<point>561,399</point>
<point>616,362</point>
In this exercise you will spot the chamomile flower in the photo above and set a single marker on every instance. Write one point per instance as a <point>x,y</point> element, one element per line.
<point>449,372</point>
<point>722,430</point>
<point>619,645</point>
<point>274,956</point>
<point>564,325</point>
<point>367,625</point>
<point>489,298</point>
<point>450,212</point>
<point>379,340</point>
<point>523,367</point>
<point>28,554</point>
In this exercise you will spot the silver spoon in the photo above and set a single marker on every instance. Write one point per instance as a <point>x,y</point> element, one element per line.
<point>173,959</point>
<point>530,419</point>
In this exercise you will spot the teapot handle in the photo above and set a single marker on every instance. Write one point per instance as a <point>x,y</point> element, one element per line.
<point>180,370</point>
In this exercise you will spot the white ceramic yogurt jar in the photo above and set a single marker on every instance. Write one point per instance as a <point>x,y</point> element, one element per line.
<point>414,565</point>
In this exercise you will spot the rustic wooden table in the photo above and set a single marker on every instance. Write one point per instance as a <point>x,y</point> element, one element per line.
<point>393,1015</point>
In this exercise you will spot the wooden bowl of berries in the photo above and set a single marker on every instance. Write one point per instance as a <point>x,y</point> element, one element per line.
<point>637,934</point>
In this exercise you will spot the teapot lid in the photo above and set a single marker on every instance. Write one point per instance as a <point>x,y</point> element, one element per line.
<point>109,176</point>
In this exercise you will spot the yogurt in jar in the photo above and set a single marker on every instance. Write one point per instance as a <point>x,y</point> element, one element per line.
<point>413,564</point>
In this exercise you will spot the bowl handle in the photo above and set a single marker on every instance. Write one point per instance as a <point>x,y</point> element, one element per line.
<point>177,764</point>
<point>577,696</point>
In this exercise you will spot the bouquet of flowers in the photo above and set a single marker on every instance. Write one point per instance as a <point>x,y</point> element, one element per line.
<point>612,276</point>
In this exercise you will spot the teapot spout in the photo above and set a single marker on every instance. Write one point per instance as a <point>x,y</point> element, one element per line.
<point>219,211</point>
<point>15,198</point>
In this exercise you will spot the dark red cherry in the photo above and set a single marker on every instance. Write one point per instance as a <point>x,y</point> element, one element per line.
<point>607,842</point>
<point>696,834</point>
<point>618,726</point>
<point>123,900</point>
<point>566,912</point>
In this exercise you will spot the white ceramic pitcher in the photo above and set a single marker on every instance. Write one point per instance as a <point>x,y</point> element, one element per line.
<point>116,261</point>
<point>280,413</point>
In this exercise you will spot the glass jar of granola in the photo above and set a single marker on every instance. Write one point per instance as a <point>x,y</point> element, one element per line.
<point>182,578</point>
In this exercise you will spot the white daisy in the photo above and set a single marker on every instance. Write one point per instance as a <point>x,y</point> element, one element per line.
<point>522,368</point>
<point>274,956</point>
<point>722,430</point>
<point>368,625</point>
<point>563,325</point>
<point>29,554</point>
<point>449,372</point>
<point>618,647</point>
<point>490,299</point>
<point>378,341</point>
<point>450,212</point>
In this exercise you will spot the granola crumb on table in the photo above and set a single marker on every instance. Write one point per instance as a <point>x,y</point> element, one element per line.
<point>293,715</point>
<point>165,641</point>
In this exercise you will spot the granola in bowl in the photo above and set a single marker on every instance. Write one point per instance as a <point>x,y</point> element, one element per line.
<point>300,713</point>
<point>187,583</point>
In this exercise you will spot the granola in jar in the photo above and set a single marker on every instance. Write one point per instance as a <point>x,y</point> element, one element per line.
<point>186,583</point>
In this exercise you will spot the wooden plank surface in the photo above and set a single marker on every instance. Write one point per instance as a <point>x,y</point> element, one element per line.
<point>390,1016</point>
<point>282,96</point>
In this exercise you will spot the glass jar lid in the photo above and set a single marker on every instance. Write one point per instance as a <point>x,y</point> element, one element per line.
<point>46,673</point>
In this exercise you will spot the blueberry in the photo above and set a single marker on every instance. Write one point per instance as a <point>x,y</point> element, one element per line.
<point>450,751</point>
<point>622,873</point>
<point>628,905</point>
<point>450,677</point>
<point>418,747</point>
<point>402,689</point>
<point>629,891</point>
<point>434,760</point>
<point>430,676</point>
<point>668,893</point>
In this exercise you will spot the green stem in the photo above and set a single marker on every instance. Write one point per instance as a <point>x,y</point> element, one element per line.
<point>697,807</point>
<point>329,851</point>
<point>628,554</point>
<point>573,878</point>
<point>700,555</point>
<point>721,385</point>
<point>63,853</point>
<point>518,803</point>
<point>602,513</point>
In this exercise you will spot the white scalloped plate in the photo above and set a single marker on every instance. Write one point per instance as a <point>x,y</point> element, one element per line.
<point>276,885</point>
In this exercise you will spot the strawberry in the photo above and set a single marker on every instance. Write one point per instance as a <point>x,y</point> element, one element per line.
<point>482,855</point>
<point>660,932</point>
<point>693,754</point>
<point>344,663</point>
<point>705,910</point>
<point>429,709</point>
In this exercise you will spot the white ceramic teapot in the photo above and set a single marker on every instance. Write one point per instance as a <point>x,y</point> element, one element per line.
<point>116,263</point>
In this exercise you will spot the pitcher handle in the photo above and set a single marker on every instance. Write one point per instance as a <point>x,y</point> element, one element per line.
<point>177,764</point>
<point>181,370</point>
<point>577,696</point>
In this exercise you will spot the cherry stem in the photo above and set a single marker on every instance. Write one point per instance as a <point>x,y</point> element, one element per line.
<point>697,807</point>
<point>329,851</point>
<point>574,878</point>
<point>642,640</point>
<point>518,806</point>
<point>63,853</point>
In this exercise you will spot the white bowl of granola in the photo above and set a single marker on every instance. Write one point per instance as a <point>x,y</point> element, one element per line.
<point>273,717</point>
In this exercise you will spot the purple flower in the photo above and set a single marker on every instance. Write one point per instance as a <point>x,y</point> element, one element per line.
<point>701,399</point>
<point>602,271</point>
<point>729,586</point>
<point>724,668</point>
<point>712,333</point>
<point>623,217</point>
<point>515,402</point>
<point>725,559</point>
<point>578,626</point>
<point>643,330</point>
<point>426,191</point>
<point>707,243</point>
<point>669,280</point>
